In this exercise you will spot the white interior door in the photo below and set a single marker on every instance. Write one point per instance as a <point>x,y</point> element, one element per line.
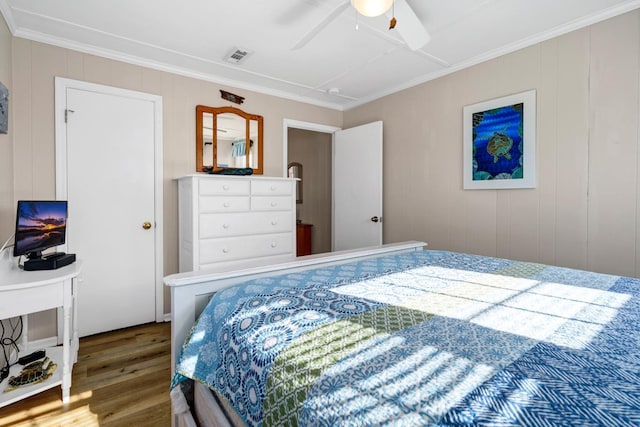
<point>357,187</point>
<point>110,185</point>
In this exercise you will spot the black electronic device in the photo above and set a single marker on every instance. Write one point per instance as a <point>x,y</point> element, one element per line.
<point>49,262</point>
<point>36,355</point>
<point>40,225</point>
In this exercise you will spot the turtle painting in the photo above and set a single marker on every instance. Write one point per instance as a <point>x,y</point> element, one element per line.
<point>499,145</point>
<point>33,373</point>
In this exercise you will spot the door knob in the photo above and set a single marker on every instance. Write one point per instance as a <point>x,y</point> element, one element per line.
<point>146,225</point>
<point>375,219</point>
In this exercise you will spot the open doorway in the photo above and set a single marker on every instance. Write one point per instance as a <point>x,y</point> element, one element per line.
<point>309,145</point>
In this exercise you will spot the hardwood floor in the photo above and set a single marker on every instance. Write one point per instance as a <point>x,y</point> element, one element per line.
<point>121,379</point>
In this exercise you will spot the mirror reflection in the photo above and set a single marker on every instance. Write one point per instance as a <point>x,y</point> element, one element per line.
<point>236,142</point>
<point>295,171</point>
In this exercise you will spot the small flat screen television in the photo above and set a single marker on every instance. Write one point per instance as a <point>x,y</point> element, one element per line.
<point>40,225</point>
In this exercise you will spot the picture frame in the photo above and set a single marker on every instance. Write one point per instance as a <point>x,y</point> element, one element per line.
<point>4,109</point>
<point>499,143</point>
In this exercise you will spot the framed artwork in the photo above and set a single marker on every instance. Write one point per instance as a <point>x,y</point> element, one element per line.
<point>500,143</point>
<point>4,109</point>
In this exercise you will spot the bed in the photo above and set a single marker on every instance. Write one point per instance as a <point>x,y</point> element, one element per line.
<point>398,335</point>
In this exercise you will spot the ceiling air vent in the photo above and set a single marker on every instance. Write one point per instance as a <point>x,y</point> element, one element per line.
<point>237,55</point>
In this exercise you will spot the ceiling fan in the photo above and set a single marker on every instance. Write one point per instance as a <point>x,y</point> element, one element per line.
<point>402,18</point>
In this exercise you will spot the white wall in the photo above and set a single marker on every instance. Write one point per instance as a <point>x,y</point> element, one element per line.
<point>584,211</point>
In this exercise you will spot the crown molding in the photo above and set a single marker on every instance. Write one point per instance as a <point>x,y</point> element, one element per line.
<point>174,69</point>
<point>5,10</point>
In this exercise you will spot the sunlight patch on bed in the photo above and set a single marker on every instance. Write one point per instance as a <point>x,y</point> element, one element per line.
<point>402,367</point>
<point>465,375</point>
<point>562,314</point>
<point>437,381</point>
<point>549,312</point>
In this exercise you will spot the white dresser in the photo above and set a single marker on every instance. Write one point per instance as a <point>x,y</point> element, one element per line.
<point>229,221</point>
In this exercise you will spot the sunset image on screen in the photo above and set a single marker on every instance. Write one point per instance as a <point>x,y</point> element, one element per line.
<point>40,225</point>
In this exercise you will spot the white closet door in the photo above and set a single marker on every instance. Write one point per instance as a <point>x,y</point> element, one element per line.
<point>110,189</point>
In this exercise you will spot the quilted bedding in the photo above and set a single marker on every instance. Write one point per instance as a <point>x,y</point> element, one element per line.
<point>424,338</point>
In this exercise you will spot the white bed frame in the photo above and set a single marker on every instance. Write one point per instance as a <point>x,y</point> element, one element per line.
<point>191,291</point>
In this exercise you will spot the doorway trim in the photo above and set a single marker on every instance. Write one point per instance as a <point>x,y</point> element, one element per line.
<point>297,124</point>
<point>315,127</point>
<point>61,86</point>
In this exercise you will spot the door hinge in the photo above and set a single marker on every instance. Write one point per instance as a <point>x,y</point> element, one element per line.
<point>66,114</point>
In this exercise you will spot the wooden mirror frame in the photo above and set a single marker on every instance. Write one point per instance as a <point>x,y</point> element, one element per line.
<point>200,111</point>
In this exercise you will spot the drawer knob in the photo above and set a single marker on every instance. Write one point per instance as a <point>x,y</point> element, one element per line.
<point>225,187</point>
<point>274,204</point>
<point>225,226</point>
<point>225,250</point>
<point>274,188</point>
<point>226,204</point>
<point>274,244</point>
<point>274,222</point>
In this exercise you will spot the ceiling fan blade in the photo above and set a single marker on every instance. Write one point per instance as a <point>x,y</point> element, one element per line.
<point>321,25</point>
<point>409,26</point>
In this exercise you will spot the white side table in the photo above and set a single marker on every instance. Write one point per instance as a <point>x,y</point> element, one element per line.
<point>24,292</point>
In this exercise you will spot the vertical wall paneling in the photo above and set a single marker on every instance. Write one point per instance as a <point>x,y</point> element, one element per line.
<point>21,101</point>
<point>75,65</point>
<point>7,205</point>
<point>572,149</point>
<point>613,145</point>
<point>547,131</point>
<point>402,145</point>
<point>42,120</point>
<point>637,248</point>
<point>458,212</point>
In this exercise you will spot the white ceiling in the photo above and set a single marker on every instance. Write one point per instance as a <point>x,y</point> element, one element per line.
<point>193,37</point>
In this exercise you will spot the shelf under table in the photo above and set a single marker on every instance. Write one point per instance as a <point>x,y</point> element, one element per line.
<point>55,354</point>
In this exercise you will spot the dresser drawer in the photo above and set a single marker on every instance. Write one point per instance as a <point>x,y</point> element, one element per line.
<point>243,224</point>
<point>267,187</point>
<point>235,248</point>
<point>224,203</point>
<point>224,187</point>
<point>267,203</point>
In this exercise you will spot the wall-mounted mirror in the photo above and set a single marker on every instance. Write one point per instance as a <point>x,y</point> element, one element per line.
<point>295,171</point>
<point>227,137</point>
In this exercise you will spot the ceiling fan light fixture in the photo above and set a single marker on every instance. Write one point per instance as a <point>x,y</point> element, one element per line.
<point>371,8</point>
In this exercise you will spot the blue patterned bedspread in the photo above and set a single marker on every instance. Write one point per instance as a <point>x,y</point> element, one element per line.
<point>424,338</point>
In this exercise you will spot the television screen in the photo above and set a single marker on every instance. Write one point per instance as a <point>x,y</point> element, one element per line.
<point>39,225</point>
